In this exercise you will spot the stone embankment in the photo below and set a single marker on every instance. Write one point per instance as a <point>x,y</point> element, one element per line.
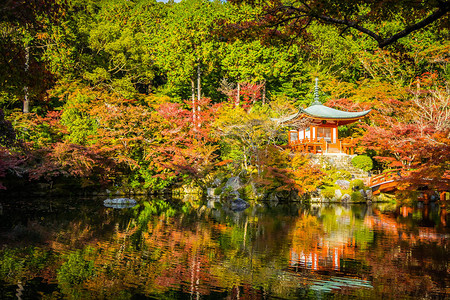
<point>345,190</point>
<point>341,162</point>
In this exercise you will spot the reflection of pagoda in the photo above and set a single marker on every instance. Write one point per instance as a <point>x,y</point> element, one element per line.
<point>321,136</point>
<point>323,257</point>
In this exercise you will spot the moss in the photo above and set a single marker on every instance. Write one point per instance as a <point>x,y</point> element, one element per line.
<point>246,192</point>
<point>333,175</point>
<point>356,197</point>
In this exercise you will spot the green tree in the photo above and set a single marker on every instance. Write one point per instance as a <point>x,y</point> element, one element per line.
<point>187,51</point>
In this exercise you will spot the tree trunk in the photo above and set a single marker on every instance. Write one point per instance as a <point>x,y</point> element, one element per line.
<point>238,95</point>
<point>193,101</point>
<point>26,101</point>
<point>264,93</point>
<point>199,93</point>
<point>199,86</point>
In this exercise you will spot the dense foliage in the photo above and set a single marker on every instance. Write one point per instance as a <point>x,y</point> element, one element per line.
<point>144,94</point>
<point>362,162</point>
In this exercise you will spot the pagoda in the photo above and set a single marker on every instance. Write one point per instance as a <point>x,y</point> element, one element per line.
<point>321,133</point>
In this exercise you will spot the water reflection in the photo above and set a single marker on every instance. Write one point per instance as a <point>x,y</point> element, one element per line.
<point>195,249</point>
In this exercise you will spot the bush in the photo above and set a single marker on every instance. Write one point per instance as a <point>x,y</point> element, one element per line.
<point>357,197</point>
<point>246,192</point>
<point>357,184</point>
<point>328,192</point>
<point>362,162</point>
<point>217,191</point>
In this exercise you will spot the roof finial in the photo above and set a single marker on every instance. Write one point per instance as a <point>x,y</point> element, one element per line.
<point>316,93</point>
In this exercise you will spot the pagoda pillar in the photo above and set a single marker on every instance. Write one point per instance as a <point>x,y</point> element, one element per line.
<point>335,135</point>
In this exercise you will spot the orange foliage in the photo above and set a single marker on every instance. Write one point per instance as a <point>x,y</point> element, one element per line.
<point>282,172</point>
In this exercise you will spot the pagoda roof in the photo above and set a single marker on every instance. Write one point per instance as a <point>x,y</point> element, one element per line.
<point>324,114</point>
<point>321,112</point>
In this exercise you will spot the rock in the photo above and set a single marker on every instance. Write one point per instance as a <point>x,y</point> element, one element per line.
<point>119,203</point>
<point>216,182</point>
<point>213,203</point>
<point>343,184</point>
<point>363,193</point>
<point>369,194</point>
<point>346,198</point>
<point>234,183</point>
<point>338,194</point>
<point>210,192</point>
<point>239,205</point>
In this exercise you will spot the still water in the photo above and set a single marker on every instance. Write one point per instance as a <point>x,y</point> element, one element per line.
<point>193,249</point>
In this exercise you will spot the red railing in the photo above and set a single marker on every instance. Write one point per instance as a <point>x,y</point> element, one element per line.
<point>384,177</point>
<point>321,146</point>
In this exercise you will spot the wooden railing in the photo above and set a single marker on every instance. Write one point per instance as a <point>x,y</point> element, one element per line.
<point>386,181</point>
<point>309,146</point>
<point>384,177</point>
<point>321,146</point>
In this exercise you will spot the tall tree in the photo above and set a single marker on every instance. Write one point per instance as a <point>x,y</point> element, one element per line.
<point>187,50</point>
<point>22,76</point>
<point>366,16</point>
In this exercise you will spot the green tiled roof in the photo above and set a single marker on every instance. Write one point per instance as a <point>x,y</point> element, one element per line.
<point>325,112</point>
<point>319,111</point>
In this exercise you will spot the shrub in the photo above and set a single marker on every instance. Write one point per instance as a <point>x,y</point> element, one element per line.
<point>331,176</point>
<point>362,162</point>
<point>328,192</point>
<point>357,184</point>
<point>246,192</point>
<point>357,197</point>
<point>217,191</point>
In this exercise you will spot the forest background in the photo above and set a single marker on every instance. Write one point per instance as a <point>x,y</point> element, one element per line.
<point>147,95</point>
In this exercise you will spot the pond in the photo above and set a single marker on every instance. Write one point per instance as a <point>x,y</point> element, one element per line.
<point>196,249</point>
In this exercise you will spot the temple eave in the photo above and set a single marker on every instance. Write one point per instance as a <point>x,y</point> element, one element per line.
<point>337,121</point>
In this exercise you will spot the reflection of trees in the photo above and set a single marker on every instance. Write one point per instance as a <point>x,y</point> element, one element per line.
<point>170,249</point>
<point>400,259</point>
<point>255,251</point>
<point>411,260</point>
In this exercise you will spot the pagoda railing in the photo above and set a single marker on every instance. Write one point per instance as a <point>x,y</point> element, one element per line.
<point>321,146</point>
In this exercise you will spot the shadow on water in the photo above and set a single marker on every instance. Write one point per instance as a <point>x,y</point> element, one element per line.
<point>190,248</point>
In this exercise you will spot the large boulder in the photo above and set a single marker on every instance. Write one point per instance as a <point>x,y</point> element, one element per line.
<point>363,193</point>
<point>210,193</point>
<point>343,184</point>
<point>338,194</point>
<point>346,198</point>
<point>234,183</point>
